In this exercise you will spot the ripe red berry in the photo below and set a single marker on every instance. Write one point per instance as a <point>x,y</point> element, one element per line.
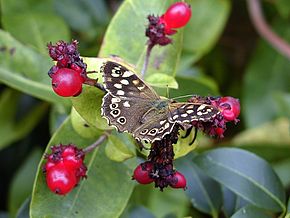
<point>177,15</point>
<point>179,181</point>
<point>219,132</point>
<point>61,179</point>
<point>230,108</point>
<point>67,82</point>
<point>142,173</point>
<point>71,157</point>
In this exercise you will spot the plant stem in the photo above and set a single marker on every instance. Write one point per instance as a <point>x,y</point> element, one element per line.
<point>100,140</point>
<point>256,14</point>
<point>94,82</point>
<point>146,61</point>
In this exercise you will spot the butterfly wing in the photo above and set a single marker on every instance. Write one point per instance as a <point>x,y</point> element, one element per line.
<point>124,83</point>
<point>189,112</point>
<point>128,97</point>
<point>176,113</point>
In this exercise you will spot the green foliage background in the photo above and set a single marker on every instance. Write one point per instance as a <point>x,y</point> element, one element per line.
<point>218,53</point>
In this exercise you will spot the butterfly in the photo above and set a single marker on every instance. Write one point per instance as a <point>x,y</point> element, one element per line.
<point>130,105</point>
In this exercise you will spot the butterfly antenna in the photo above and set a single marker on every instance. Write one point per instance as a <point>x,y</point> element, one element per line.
<point>167,91</point>
<point>183,96</point>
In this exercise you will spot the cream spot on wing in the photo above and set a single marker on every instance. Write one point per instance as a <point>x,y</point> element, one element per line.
<point>118,86</point>
<point>201,107</point>
<point>162,122</point>
<point>120,92</point>
<point>184,115</point>
<point>124,82</point>
<point>127,74</point>
<point>175,117</point>
<point>126,104</point>
<point>166,126</point>
<point>189,111</point>
<point>141,87</point>
<point>114,100</point>
<point>136,82</point>
<point>115,75</point>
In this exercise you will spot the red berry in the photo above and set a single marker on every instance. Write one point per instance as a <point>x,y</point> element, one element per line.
<point>177,15</point>
<point>230,108</point>
<point>48,166</point>
<point>66,82</point>
<point>179,181</point>
<point>61,179</point>
<point>142,173</point>
<point>219,132</point>
<point>71,158</point>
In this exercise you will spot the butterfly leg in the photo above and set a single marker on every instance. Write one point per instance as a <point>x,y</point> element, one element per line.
<point>194,137</point>
<point>188,131</point>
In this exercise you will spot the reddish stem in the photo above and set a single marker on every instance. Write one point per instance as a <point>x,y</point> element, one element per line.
<point>146,61</point>
<point>256,14</point>
<point>100,140</point>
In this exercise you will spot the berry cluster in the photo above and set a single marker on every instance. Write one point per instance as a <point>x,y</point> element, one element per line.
<point>159,167</point>
<point>146,173</point>
<point>69,73</point>
<point>64,168</point>
<point>176,16</point>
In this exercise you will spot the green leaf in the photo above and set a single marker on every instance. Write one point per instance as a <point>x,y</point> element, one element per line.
<point>205,26</point>
<point>183,147</point>
<point>23,211</point>
<point>264,134</point>
<point>282,169</point>
<point>88,105</point>
<point>266,75</point>
<point>120,147</point>
<point>21,185</point>
<point>288,209</point>
<point>26,70</point>
<point>283,8</point>
<point>251,212</point>
<point>169,203</point>
<point>10,130</point>
<point>234,169</point>
<point>203,192</point>
<point>37,27</point>
<point>108,184</point>
<point>82,127</point>
<point>162,80</point>
<point>131,45</point>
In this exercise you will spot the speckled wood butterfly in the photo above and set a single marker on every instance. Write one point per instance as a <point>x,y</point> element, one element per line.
<point>132,106</point>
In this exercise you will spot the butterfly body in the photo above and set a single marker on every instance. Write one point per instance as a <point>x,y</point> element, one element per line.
<point>130,105</point>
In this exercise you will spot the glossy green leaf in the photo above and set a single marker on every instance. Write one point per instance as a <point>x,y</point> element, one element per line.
<point>204,193</point>
<point>21,185</point>
<point>282,169</point>
<point>283,7</point>
<point>288,209</point>
<point>234,169</point>
<point>125,37</point>
<point>266,75</point>
<point>162,80</point>
<point>108,184</point>
<point>82,127</point>
<point>88,105</point>
<point>251,212</point>
<point>12,130</point>
<point>37,27</point>
<point>264,134</point>
<point>23,211</point>
<point>231,202</point>
<point>26,70</point>
<point>205,26</point>
<point>120,147</point>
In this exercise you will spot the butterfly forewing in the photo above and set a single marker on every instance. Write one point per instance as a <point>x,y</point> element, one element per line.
<point>120,81</point>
